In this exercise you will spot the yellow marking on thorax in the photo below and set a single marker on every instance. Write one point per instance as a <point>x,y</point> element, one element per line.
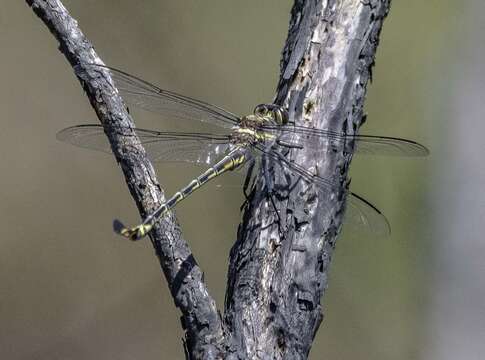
<point>259,135</point>
<point>244,130</point>
<point>266,136</point>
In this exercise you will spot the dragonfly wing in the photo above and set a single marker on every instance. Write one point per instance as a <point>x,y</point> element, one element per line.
<point>388,146</point>
<point>142,94</point>
<point>198,148</point>
<point>299,136</point>
<point>323,183</point>
<point>85,136</point>
<point>361,215</point>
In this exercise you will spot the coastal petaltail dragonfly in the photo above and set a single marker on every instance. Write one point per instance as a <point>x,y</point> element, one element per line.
<point>263,135</point>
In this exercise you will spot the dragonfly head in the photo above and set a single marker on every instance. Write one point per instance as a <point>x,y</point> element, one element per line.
<point>271,113</point>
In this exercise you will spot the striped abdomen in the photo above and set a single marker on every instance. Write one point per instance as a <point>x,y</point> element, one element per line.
<point>231,161</point>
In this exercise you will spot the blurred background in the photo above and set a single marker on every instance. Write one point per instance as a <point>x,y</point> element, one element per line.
<point>71,289</point>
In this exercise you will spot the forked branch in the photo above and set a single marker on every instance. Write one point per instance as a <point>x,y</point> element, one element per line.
<point>280,262</point>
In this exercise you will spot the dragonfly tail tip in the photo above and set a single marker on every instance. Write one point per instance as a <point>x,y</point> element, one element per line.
<point>136,233</point>
<point>118,226</point>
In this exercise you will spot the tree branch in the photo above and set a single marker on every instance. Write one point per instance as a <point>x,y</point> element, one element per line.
<point>279,265</point>
<point>201,321</point>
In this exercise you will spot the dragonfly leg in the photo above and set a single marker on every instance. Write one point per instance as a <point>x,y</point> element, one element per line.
<point>271,196</point>
<point>267,176</point>
<point>247,180</point>
<point>269,183</point>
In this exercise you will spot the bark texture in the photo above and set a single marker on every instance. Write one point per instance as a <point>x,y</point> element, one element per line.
<point>279,265</point>
<point>201,321</point>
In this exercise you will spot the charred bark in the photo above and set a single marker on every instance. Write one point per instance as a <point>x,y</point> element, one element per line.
<point>279,264</point>
<point>200,319</point>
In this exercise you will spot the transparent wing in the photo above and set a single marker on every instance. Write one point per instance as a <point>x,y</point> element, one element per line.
<point>161,146</point>
<point>323,183</point>
<point>361,215</point>
<point>140,93</point>
<point>298,136</point>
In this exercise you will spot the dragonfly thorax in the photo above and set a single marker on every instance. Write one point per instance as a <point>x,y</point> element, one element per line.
<point>250,127</point>
<point>249,134</point>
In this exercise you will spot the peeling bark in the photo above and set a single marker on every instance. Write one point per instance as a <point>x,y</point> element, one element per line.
<point>279,267</point>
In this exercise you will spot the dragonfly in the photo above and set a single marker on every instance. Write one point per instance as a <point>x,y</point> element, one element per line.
<point>263,137</point>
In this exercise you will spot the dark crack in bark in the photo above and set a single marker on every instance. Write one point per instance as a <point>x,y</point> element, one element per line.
<point>278,272</point>
<point>204,335</point>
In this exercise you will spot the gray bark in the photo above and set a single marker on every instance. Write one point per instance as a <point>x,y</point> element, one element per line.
<point>279,267</point>
<point>279,264</point>
<point>201,321</point>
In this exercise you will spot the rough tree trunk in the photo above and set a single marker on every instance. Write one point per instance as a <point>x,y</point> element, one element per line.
<point>279,267</point>
<point>279,264</point>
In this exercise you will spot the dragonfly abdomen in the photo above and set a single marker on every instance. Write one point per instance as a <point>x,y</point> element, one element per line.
<point>231,161</point>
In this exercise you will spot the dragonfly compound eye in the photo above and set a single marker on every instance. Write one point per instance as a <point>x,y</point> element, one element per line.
<point>261,110</point>
<point>272,112</point>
